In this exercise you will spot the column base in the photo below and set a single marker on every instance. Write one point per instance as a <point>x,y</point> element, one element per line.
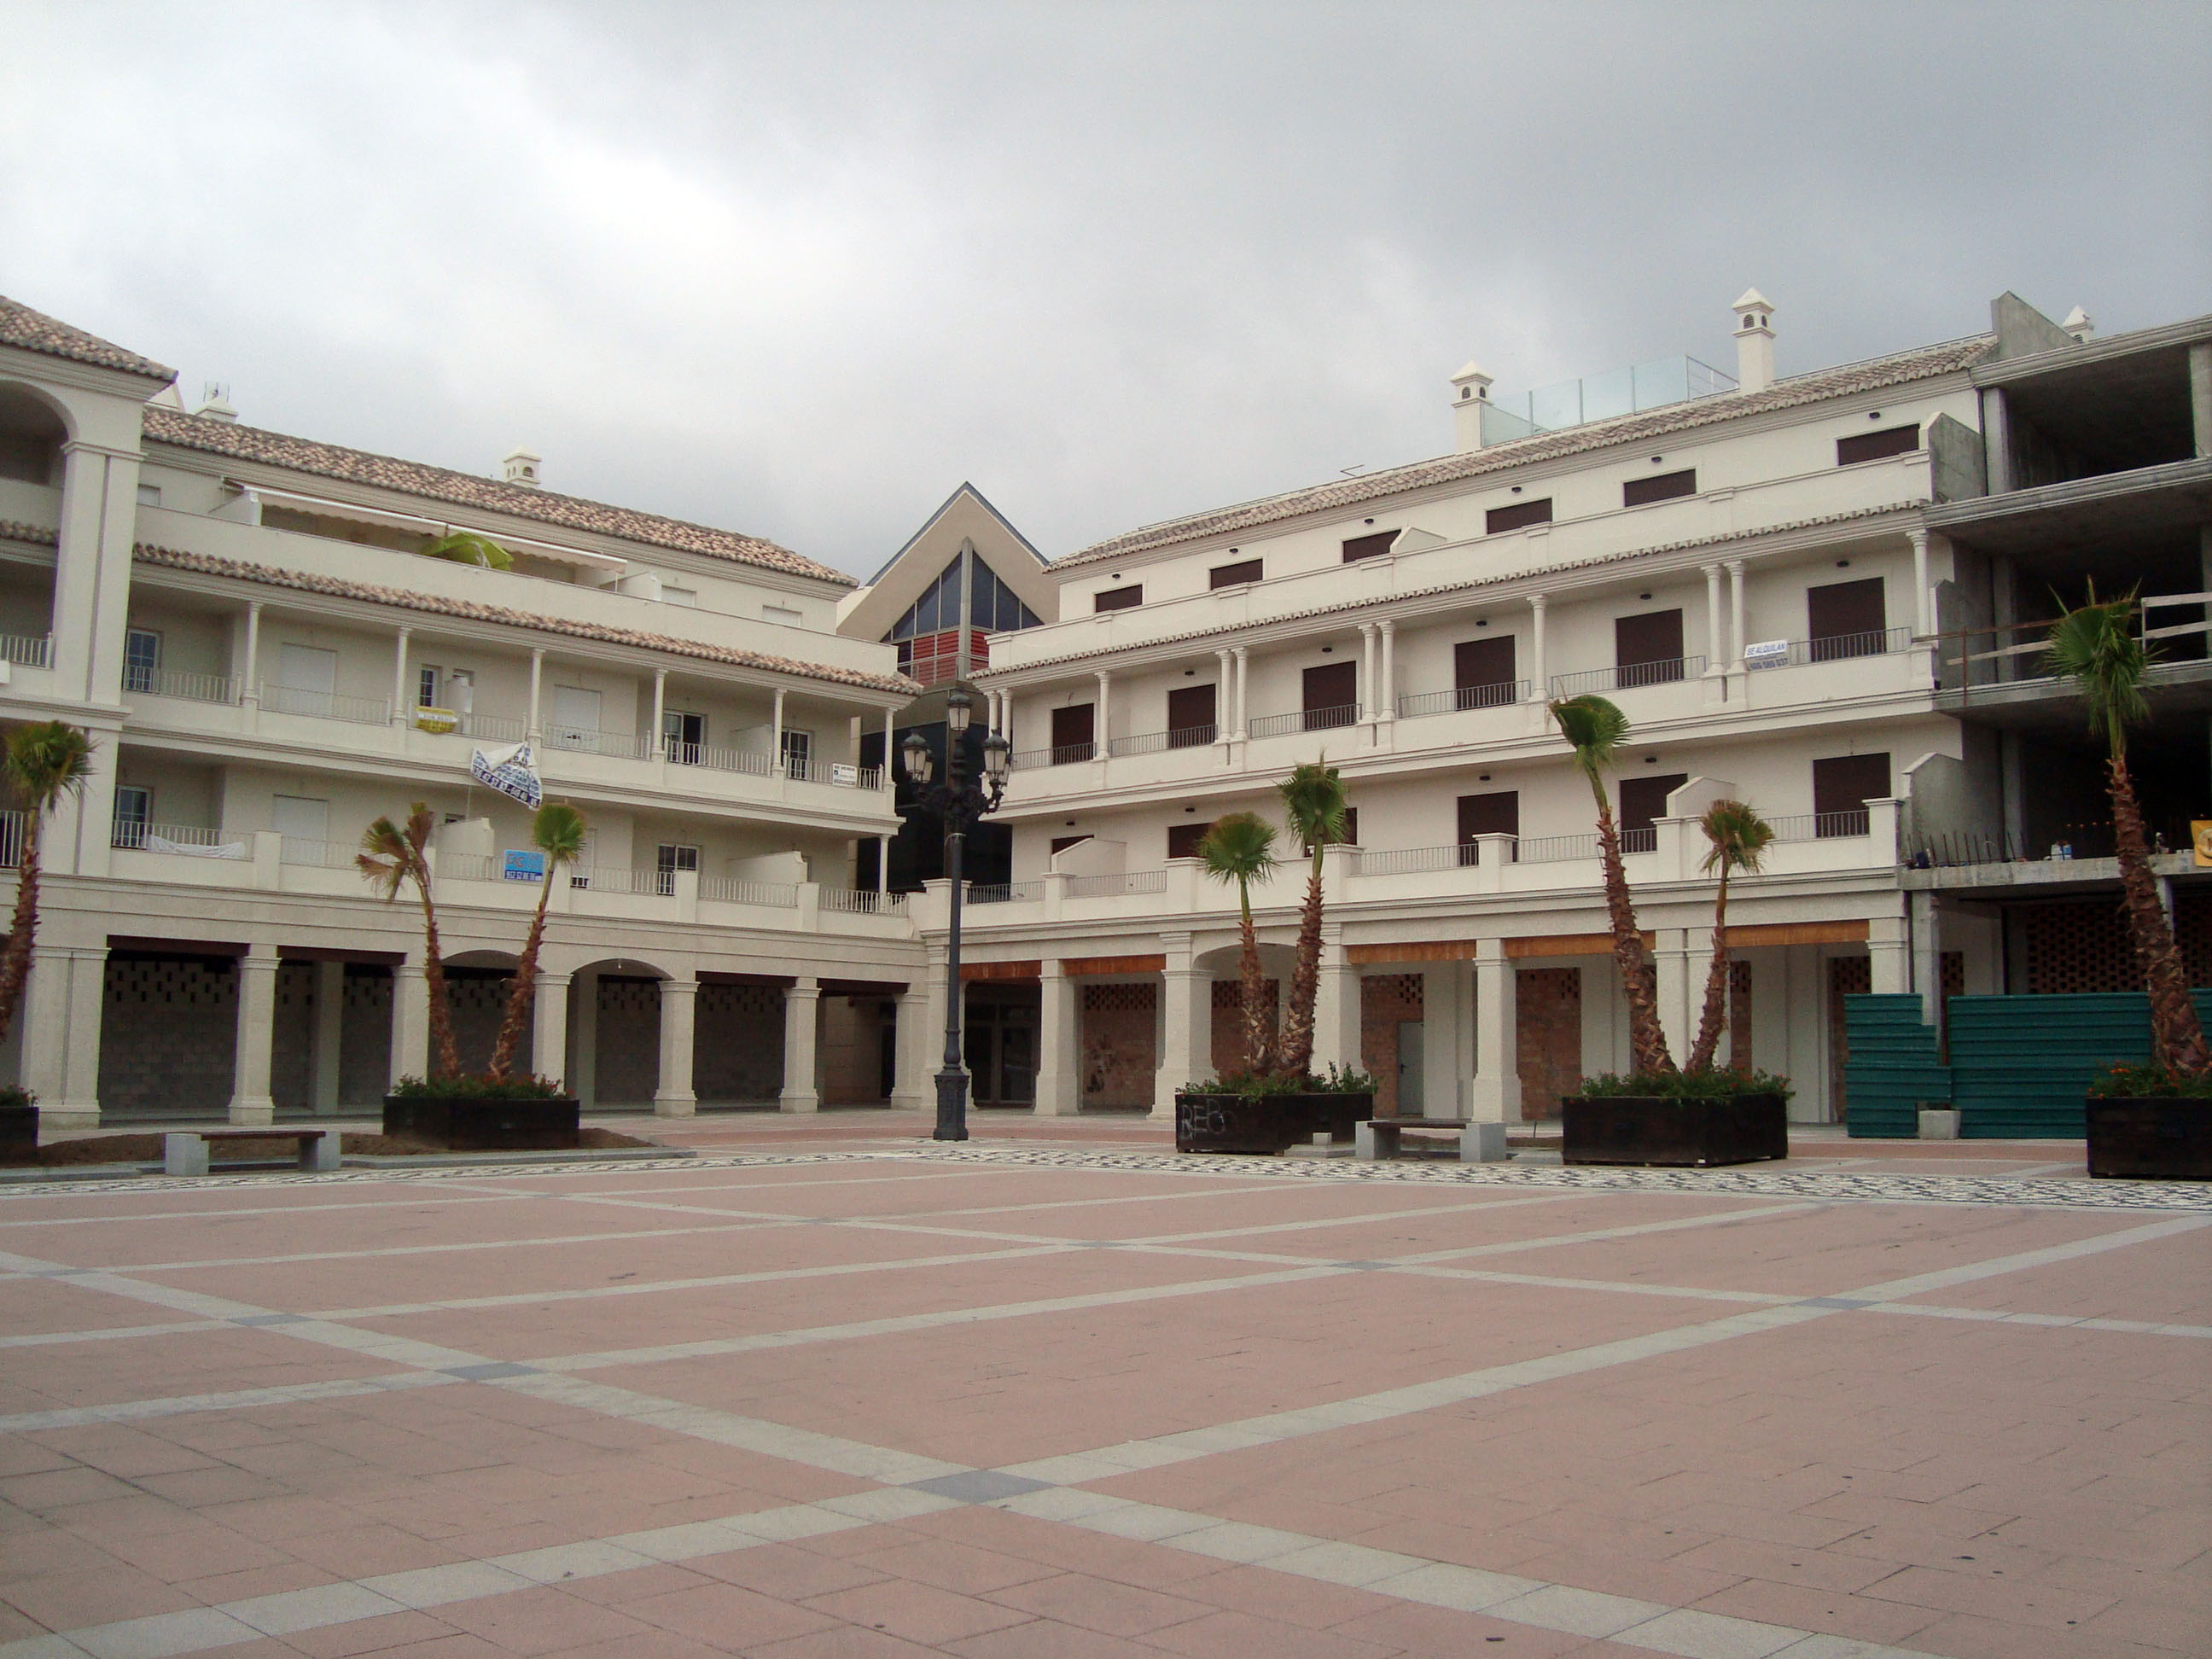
<point>789,1103</point>
<point>908,1101</point>
<point>1057,1097</point>
<point>257,1113</point>
<point>70,1115</point>
<point>676,1105</point>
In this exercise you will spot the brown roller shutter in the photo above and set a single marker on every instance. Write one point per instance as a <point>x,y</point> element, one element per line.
<point>1482,672</point>
<point>1190,716</point>
<point>1330,696</point>
<point>1846,619</point>
<point>1073,738</point>
<point>1648,649</point>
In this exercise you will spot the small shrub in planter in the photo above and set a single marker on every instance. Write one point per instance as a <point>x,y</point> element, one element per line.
<point>475,1113</point>
<point>1271,1113</point>
<point>19,1122</point>
<point>2149,1123</point>
<point>1680,1118</point>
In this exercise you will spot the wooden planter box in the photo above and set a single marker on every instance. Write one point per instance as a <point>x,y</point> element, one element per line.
<point>2149,1137</point>
<point>1266,1123</point>
<point>1664,1130</point>
<point>18,1132</point>
<point>470,1123</point>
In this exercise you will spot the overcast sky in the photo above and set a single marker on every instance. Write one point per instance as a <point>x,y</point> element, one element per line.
<point>800,269</point>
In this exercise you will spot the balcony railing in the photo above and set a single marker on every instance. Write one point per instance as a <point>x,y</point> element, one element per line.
<point>1406,862</point>
<point>1464,696</point>
<point>840,773</point>
<point>861,902</point>
<point>1821,826</point>
<point>325,705</point>
<point>495,728</point>
<point>318,855</point>
<point>1005,892</point>
<point>468,866</point>
<point>140,835</point>
<point>583,739</point>
<point>1306,720</point>
<point>776,895</point>
<point>140,681</point>
<point>1113,886</point>
<point>1626,677</point>
<point>1068,754</point>
<point>27,650</point>
<point>1152,743</point>
<point>11,840</point>
<point>757,762</point>
<point>1833,647</point>
<point>1554,849</point>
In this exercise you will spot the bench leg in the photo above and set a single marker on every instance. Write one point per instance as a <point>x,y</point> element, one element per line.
<point>1483,1143</point>
<point>184,1155</point>
<point>322,1154</point>
<point>1362,1143</point>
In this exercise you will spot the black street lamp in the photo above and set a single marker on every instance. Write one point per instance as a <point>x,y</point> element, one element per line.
<point>960,803</point>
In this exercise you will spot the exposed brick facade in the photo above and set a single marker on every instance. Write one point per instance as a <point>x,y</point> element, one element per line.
<point>1120,1052</point>
<point>1547,1033</point>
<point>1226,1047</point>
<point>1386,1001</point>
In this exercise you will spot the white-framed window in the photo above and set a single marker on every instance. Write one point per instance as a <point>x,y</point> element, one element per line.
<point>576,717</point>
<point>142,659</point>
<point>134,810</point>
<point>300,817</point>
<point>797,747</point>
<point>688,597</point>
<point>670,857</point>
<point>682,737</point>
<point>426,678</point>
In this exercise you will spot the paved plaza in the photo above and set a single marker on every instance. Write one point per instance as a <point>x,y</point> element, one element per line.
<point>827,1391</point>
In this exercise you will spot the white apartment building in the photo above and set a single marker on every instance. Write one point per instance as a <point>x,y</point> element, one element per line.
<point>244,623</point>
<point>1773,577</point>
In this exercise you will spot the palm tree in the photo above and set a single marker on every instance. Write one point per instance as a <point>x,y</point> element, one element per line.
<point>391,855</point>
<point>44,761</point>
<point>2094,645</point>
<point>1313,804</point>
<point>1241,847</point>
<point>1595,729</point>
<point>1740,838</point>
<point>557,831</point>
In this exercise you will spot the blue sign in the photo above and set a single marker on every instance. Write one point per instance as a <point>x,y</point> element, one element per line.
<point>525,864</point>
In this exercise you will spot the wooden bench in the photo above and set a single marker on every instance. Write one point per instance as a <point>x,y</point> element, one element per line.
<point>1478,1142</point>
<point>186,1153</point>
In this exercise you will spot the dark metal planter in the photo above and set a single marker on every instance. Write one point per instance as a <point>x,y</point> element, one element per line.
<point>1266,1123</point>
<point>2150,1137</point>
<point>18,1132</point>
<point>472,1123</point>
<point>1665,1130</point>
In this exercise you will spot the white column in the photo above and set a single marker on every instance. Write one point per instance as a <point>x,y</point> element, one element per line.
<point>1389,698</point>
<point>1243,683</point>
<point>92,572</point>
<point>61,1017</point>
<point>660,710</point>
<point>776,741</point>
<point>537,686</point>
<point>1336,1007</point>
<point>679,1005</point>
<point>1060,1082</point>
<point>1186,1026</point>
<point>1224,695</point>
<point>548,1029</point>
<point>1497,1091</point>
<point>249,679</point>
<point>400,700</point>
<point>1926,956</point>
<point>410,1021</point>
<point>1923,600</point>
<point>1105,727</point>
<point>802,1003</point>
<point>251,1104</point>
<point>1672,960</point>
<point>1888,969</point>
<point>1445,994</point>
<point>1736,612</point>
<point>1539,689</point>
<point>583,1078</point>
<point>1716,651</point>
<point>330,1030</point>
<point>1370,702</point>
<point>910,1049</point>
<point>2200,397</point>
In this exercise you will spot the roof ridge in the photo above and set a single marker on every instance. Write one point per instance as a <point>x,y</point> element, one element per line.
<point>29,330</point>
<point>472,609</point>
<point>1861,374</point>
<point>428,481</point>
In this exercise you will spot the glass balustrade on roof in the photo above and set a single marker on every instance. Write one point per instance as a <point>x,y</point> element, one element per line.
<point>1601,398</point>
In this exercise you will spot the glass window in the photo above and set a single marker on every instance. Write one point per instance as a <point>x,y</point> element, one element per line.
<point>669,859</point>
<point>426,685</point>
<point>142,659</point>
<point>134,809</point>
<point>797,746</point>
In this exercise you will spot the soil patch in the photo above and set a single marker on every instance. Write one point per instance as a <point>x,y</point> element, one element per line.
<point>146,1149</point>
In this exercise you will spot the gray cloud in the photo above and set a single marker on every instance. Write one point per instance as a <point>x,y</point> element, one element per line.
<point>800,269</point>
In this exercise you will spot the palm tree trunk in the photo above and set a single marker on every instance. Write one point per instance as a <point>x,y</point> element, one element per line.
<point>15,957</point>
<point>523,993</point>
<point>1297,1056</point>
<point>445,1058</point>
<point>1716,978</point>
<point>1647,1038</point>
<point>2176,1033</point>
<point>1259,1052</point>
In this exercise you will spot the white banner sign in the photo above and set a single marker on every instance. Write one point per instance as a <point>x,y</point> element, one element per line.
<point>513,771</point>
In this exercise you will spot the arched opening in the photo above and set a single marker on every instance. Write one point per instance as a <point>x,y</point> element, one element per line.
<point>478,986</point>
<point>31,434</point>
<point>613,1048</point>
<point>1225,1050</point>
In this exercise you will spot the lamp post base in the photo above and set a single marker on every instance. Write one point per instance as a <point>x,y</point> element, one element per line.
<point>952,1105</point>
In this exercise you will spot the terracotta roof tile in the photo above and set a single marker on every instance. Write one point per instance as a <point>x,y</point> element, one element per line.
<point>1922,363</point>
<point>438,483</point>
<point>207,564</point>
<point>34,331</point>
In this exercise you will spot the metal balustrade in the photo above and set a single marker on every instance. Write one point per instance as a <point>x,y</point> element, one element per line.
<point>1553,849</point>
<point>863,901</point>
<point>775,895</point>
<point>838,774</point>
<point>1836,648</point>
<point>1153,742</point>
<point>325,705</point>
<point>27,650</point>
<point>1415,859</point>
<point>11,840</point>
<point>1005,892</point>
<point>1068,754</point>
<point>1120,882</point>
<point>1626,677</point>
<point>136,832</point>
<point>1461,697</point>
<point>1308,719</point>
<point>142,682</point>
<point>1822,826</point>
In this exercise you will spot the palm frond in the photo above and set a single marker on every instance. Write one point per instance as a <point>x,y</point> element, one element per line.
<point>1593,728</point>
<point>1739,836</point>
<point>46,760</point>
<point>1240,848</point>
<point>1314,803</point>
<point>557,831</point>
<point>2094,645</point>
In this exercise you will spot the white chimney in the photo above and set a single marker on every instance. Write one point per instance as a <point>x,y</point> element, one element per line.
<point>214,403</point>
<point>522,468</point>
<point>1470,396</point>
<point>2080,323</point>
<point>1754,342</point>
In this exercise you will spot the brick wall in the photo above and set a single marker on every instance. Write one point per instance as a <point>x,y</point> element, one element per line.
<point>737,1043</point>
<point>364,1036</point>
<point>1225,1047</point>
<point>169,1035</point>
<point>1120,1055</point>
<point>292,1042</point>
<point>1547,1033</point>
<point>852,1049</point>
<point>1386,1001</point>
<point>630,1041</point>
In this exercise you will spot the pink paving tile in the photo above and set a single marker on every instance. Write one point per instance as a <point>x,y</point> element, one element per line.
<point>2167,1281</point>
<point>951,1566</point>
<point>844,1642</point>
<point>1862,1618</point>
<point>1044,1640</point>
<point>1236,1635</point>
<point>545,1620</point>
<point>1283,1597</point>
<point>917,1612</point>
<point>1440,1633</point>
<point>727,1616</point>
<point>1099,1604</point>
<point>787,1574</point>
